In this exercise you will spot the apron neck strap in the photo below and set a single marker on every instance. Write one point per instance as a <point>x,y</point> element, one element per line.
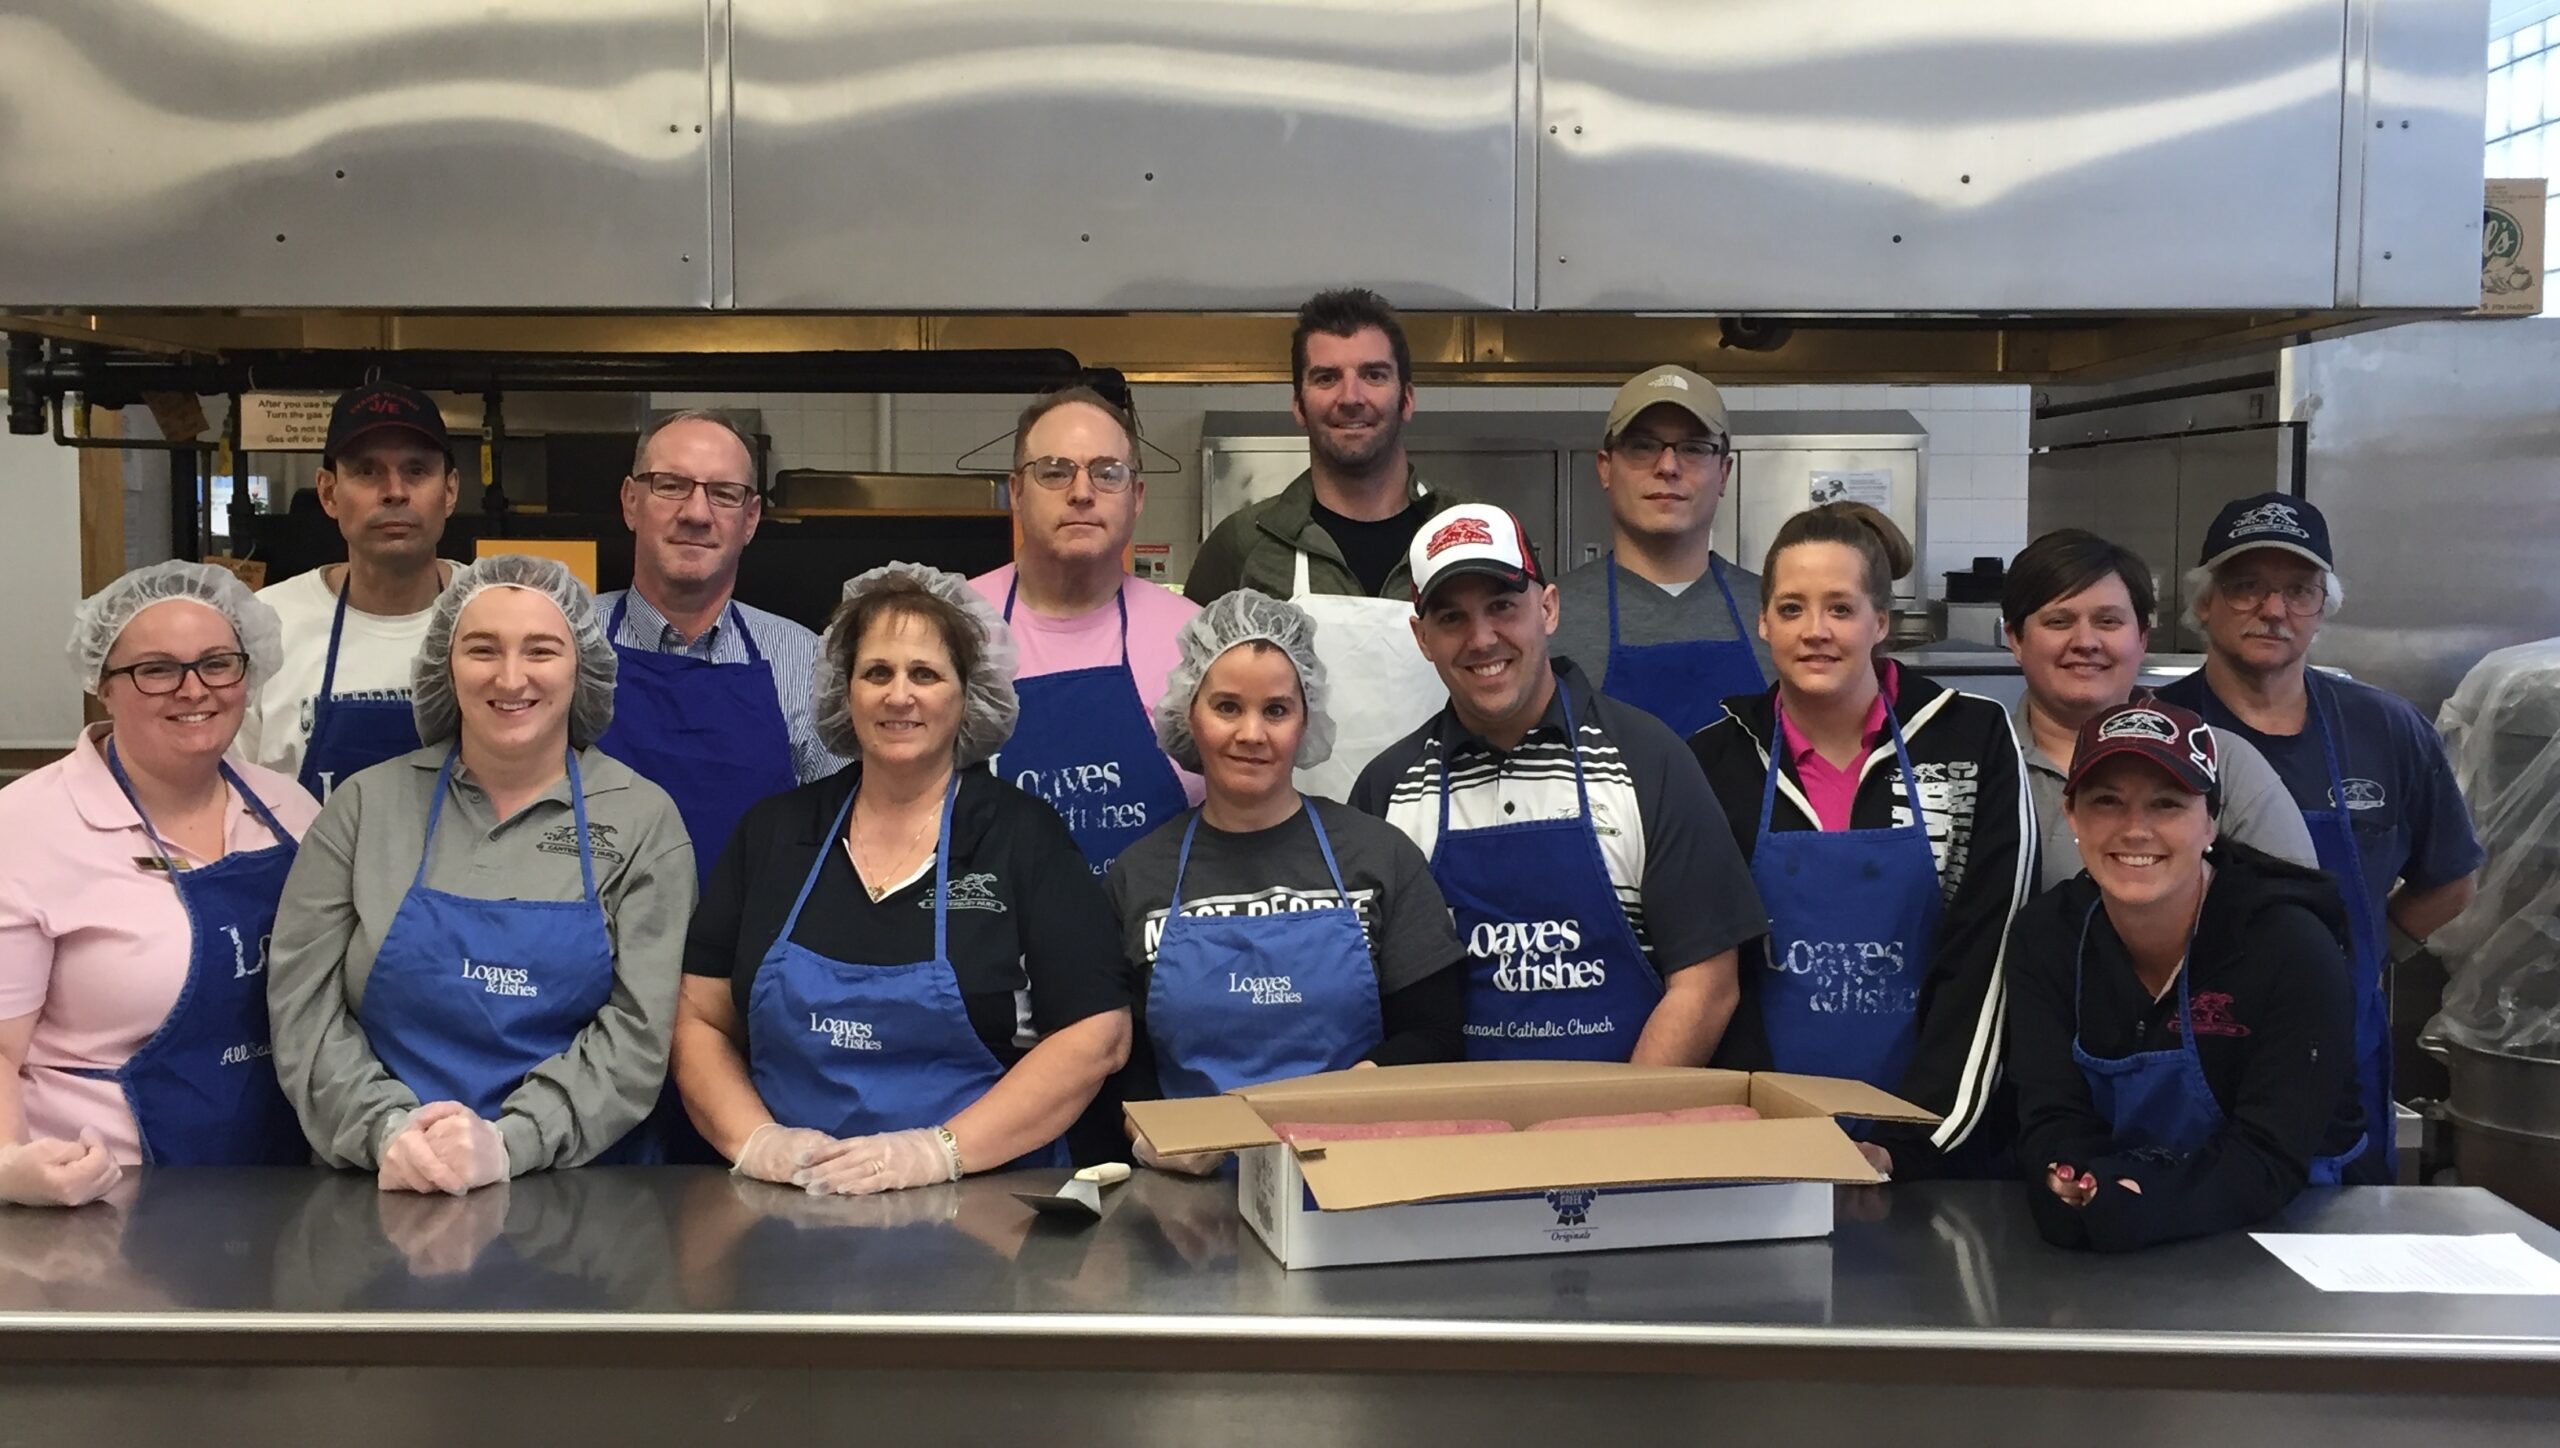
<point>337,629</point>
<point>941,869</point>
<point>1120,596</point>
<point>1324,847</point>
<point>1572,748</point>
<point>577,810</point>
<point>1778,743</point>
<point>729,615</point>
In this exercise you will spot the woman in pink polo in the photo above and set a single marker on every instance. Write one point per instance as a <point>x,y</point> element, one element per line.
<point>138,881</point>
<point>1892,839</point>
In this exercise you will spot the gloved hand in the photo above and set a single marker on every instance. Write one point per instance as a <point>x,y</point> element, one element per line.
<point>471,1145</point>
<point>888,1162</point>
<point>51,1172</point>
<point>774,1152</point>
<point>1198,1163</point>
<point>439,1236</point>
<point>417,1157</point>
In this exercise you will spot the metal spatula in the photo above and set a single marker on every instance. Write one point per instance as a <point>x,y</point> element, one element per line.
<point>1080,1197</point>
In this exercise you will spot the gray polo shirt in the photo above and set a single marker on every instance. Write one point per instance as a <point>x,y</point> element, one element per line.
<point>2256,808</point>
<point>356,866</point>
<point>1648,613</point>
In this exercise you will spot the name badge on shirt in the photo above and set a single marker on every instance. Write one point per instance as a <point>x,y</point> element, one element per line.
<point>158,864</point>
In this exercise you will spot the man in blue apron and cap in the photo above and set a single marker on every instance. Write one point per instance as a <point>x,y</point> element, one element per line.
<point>2371,776</point>
<point>1653,621</point>
<point>339,700</point>
<point>1096,643</point>
<point>1595,884</point>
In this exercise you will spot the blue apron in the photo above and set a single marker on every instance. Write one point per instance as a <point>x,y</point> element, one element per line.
<point>2333,840</point>
<point>1240,1000</point>
<point>1554,972</point>
<point>1683,684</point>
<point>350,734</point>
<point>855,1049</point>
<point>467,996</point>
<point>2159,1102</point>
<point>203,1088</point>
<point>711,735</point>
<point>1853,917</point>
<point>1086,745</point>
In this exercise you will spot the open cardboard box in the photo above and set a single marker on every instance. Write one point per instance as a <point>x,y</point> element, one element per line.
<point>1528,1192</point>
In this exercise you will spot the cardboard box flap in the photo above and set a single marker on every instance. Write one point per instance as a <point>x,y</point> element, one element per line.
<point>1460,1076</point>
<point>1198,1124</point>
<point>1347,1175</point>
<point>1837,1097</point>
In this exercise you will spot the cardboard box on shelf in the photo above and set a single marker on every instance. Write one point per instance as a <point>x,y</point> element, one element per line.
<point>1522,1193</point>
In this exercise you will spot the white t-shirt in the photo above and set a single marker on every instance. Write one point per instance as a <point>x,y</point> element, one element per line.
<point>373,663</point>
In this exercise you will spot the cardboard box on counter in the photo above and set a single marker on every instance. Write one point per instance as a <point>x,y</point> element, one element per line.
<point>1521,1193</point>
<point>2511,258</point>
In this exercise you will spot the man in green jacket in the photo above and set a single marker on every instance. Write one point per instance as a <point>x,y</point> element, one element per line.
<point>1335,540</point>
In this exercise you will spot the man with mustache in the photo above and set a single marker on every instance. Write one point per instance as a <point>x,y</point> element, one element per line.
<point>339,700</point>
<point>1595,884</point>
<point>711,701</point>
<point>1654,621</point>
<point>2375,787</point>
<point>1334,540</point>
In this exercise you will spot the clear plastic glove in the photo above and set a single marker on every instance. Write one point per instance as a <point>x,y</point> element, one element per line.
<point>440,1236</point>
<point>1197,1164</point>
<point>51,1172</point>
<point>774,1152</point>
<point>888,1162</point>
<point>471,1145</point>
<point>416,1157</point>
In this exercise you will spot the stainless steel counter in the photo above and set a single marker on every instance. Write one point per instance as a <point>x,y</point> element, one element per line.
<point>674,1305</point>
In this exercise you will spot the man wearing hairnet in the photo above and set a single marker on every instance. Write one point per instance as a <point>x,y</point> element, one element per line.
<point>1279,935</point>
<point>475,965</point>
<point>139,876</point>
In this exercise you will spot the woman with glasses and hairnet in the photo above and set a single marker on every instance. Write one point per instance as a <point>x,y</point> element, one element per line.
<point>850,1020</point>
<point>1235,912</point>
<point>475,967</point>
<point>138,880</point>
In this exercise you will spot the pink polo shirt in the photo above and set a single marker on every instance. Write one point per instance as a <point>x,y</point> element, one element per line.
<point>1090,640</point>
<point>93,947</point>
<point>1829,788</point>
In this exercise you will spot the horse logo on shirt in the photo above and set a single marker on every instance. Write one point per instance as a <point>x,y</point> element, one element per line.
<point>2209,1014</point>
<point>970,892</point>
<point>2362,794</point>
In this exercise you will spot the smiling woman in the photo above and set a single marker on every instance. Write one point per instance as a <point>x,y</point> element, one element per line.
<point>557,878</point>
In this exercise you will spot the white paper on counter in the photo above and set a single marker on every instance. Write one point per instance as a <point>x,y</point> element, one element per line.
<point>2497,1262</point>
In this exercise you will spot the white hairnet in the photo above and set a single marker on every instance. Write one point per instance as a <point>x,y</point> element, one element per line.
<point>1236,618</point>
<point>988,706</point>
<point>431,697</point>
<point>103,615</point>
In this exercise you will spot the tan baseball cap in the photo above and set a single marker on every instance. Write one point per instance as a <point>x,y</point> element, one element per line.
<point>1677,386</point>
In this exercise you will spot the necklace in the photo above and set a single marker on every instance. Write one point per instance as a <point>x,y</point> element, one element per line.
<point>880,866</point>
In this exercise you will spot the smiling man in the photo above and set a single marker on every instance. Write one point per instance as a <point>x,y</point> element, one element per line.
<point>1596,886</point>
<point>1654,621</point>
<point>2077,610</point>
<point>712,700</point>
<point>1096,644</point>
<point>339,699</point>
<point>2369,773</point>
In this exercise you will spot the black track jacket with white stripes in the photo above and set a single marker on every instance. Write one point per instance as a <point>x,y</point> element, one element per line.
<point>1982,829</point>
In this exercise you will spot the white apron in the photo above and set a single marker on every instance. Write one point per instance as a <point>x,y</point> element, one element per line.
<point>1383,688</point>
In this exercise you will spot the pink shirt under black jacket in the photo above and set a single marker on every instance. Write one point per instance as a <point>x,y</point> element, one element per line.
<point>92,945</point>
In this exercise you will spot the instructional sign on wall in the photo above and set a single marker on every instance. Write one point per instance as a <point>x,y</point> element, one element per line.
<point>1873,487</point>
<point>285,421</point>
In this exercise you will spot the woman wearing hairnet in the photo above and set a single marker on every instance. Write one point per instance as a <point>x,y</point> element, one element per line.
<point>475,967</point>
<point>1234,911</point>
<point>849,1022</point>
<point>138,880</point>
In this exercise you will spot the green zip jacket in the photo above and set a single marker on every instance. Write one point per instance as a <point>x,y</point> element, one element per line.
<point>1256,547</point>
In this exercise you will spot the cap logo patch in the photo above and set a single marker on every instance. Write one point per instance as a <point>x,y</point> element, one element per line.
<point>1670,379</point>
<point>2140,724</point>
<point>381,402</point>
<point>1458,532</point>
<point>2270,518</point>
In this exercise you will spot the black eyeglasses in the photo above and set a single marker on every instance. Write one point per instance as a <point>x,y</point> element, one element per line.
<point>164,676</point>
<point>1108,475</point>
<point>676,487</point>
<point>1644,450</point>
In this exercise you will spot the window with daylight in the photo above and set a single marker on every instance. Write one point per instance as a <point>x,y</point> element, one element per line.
<point>2523,129</point>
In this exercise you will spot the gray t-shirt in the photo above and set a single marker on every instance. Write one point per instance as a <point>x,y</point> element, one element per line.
<point>355,868</point>
<point>1651,614</point>
<point>1267,872</point>
<point>2257,810</point>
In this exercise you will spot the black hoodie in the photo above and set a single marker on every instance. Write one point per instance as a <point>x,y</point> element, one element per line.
<point>2273,1012</point>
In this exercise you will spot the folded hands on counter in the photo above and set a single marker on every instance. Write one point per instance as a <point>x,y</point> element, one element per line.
<point>857,1166</point>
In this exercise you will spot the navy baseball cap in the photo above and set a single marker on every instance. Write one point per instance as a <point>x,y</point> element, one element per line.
<point>2177,740</point>
<point>378,405</point>
<point>2268,520</point>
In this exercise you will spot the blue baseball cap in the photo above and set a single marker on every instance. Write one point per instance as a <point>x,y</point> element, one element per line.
<point>2268,520</point>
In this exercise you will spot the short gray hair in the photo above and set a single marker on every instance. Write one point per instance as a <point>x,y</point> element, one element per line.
<point>715,417</point>
<point>2198,583</point>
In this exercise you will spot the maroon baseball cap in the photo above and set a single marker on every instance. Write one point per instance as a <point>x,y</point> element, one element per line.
<point>378,405</point>
<point>2175,739</point>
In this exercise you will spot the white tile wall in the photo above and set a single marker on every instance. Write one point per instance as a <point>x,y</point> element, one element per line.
<point>1977,479</point>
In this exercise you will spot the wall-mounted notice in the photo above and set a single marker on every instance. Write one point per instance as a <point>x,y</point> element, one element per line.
<point>285,421</point>
<point>1873,487</point>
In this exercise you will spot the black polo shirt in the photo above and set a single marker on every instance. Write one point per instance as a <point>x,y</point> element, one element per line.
<point>1032,936</point>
